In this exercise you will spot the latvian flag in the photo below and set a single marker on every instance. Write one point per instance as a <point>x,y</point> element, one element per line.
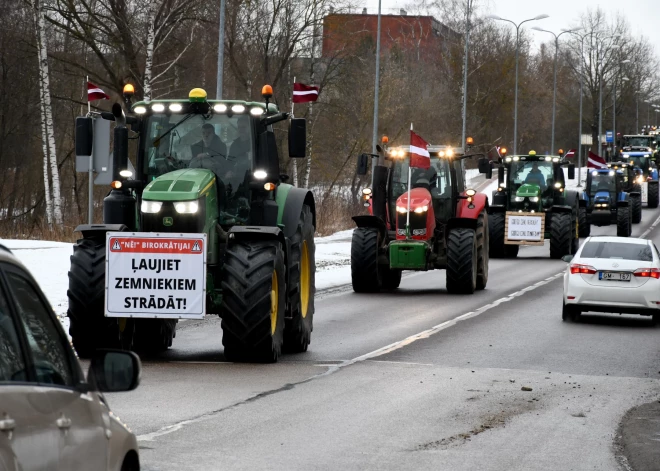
<point>419,155</point>
<point>303,93</point>
<point>570,154</point>
<point>95,93</point>
<point>595,161</point>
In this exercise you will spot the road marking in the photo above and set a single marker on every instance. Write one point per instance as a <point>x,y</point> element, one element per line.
<point>648,231</point>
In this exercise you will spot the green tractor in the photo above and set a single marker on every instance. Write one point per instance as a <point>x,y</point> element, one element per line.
<point>531,204</point>
<point>206,169</point>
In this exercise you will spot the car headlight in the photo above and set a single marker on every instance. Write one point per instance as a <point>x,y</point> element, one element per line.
<point>519,199</point>
<point>150,207</point>
<point>421,209</point>
<point>534,199</point>
<point>401,209</point>
<point>186,207</point>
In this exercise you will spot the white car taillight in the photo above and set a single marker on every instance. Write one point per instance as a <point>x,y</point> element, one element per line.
<point>647,273</point>
<point>578,268</point>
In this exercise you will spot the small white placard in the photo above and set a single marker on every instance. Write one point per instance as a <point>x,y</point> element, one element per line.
<point>524,228</point>
<point>155,275</point>
<point>645,192</point>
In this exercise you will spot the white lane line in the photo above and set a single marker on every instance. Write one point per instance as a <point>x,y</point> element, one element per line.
<point>648,231</point>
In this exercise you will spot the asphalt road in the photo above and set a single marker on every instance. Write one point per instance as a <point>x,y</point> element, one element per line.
<point>415,379</point>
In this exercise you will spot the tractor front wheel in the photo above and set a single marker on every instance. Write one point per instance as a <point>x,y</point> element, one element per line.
<point>154,335</point>
<point>496,246</point>
<point>583,225</point>
<point>653,194</point>
<point>623,221</point>
<point>636,209</point>
<point>89,328</point>
<point>391,278</point>
<point>482,250</point>
<point>298,325</point>
<point>562,232</point>
<point>365,275</point>
<point>253,301</point>
<point>462,261</point>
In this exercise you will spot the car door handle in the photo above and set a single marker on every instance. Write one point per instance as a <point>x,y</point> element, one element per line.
<point>63,422</point>
<point>7,424</point>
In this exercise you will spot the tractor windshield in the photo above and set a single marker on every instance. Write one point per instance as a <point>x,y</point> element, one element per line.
<point>640,161</point>
<point>436,178</point>
<point>219,143</point>
<point>638,141</point>
<point>603,182</point>
<point>530,172</point>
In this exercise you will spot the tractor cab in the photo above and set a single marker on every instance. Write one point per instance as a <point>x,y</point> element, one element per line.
<point>643,164</point>
<point>604,186</point>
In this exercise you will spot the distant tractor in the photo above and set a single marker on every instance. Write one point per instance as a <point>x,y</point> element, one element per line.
<point>531,204</point>
<point>631,183</point>
<point>208,169</point>
<point>647,173</point>
<point>448,225</point>
<point>608,202</point>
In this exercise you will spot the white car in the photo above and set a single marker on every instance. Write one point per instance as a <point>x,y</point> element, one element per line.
<point>613,275</point>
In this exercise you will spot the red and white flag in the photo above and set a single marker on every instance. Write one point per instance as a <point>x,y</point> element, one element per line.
<point>303,93</point>
<point>419,154</point>
<point>570,154</point>
<point>595,161</point>
<point>95,93</point>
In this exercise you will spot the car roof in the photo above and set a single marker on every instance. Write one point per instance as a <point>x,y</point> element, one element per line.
<point>6,255</point>
<point>625,240</point>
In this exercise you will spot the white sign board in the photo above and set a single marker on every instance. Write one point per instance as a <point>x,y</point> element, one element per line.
<point>155,275</point>
<point>528,228</point>
<point>645,192</point>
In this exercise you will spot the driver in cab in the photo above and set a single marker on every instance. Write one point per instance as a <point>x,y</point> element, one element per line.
<point>211,153</point>
<point>536,177</point>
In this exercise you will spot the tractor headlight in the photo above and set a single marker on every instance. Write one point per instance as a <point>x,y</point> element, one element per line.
<point>401,209</point>
<point>534,199</point>
<point>640,179</point>
<point>558,185</point>
<point>151,207</point>
<point>186,207</point>
<point>421,209</point>
<point>519,199</point>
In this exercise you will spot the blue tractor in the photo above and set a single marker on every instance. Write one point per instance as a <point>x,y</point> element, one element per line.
<point>646,178</point>
<point>607,201</point>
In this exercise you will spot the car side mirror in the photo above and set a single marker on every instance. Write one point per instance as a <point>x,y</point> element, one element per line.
<point>571,171</point>
<point>567,258</point>
<point>297,138</point>
<point>114,370</point>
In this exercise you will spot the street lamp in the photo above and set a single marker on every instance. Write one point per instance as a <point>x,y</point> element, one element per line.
<point>468,13</point>
<point>599,65</point>
<point>616,76</point>
<point>515,106</point>
<point>374,136</point>
<point>648,111</point>
<point>554,87</point>
<point>656,117</point>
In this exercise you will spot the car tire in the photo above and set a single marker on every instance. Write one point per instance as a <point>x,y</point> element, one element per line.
<point>570,313</point>
<point>656,319</point>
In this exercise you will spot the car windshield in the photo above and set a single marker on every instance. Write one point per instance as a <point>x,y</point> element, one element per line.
<point>638,141</point>
<point>217,142</point>
<point>603,182</point>
<point>617,250</point>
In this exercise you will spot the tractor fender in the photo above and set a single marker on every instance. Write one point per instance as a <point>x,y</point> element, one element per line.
<point>499,199</point>
<point>93,231</point>
<point>373,222</point>
<point>655,180</point>
<point>467,223</point>
<point>293,205</point>
<point>562,208</point>
<point>241,233</point>
<point>471,210</point>
<point>572,198</point>
<point>583,199</point>
<point>623,200</point>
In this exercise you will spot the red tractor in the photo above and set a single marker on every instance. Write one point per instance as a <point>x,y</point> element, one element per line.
<point>444,226</point>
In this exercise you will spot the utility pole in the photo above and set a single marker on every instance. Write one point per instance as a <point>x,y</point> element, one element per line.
<point>221,51</point>
<point>468,14</point>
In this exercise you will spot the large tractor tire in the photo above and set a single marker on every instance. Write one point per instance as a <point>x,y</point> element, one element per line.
<point>89,328</point>
<point>496,246</point>
<point>636,202</point>
<point>253,304</point>
<point>462,261</point>
<point>298,324</point>
<point>482,250</point>
<point>653,195</point>
<point>365,275</point>
<point>583,224</point>
<point>562,232</point>
<point>623,221</point>
<point>390,278</point>
<point>154,335</point>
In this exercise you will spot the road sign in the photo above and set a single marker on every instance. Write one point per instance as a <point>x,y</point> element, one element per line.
<point>609,136</point>
<point>155,275</point>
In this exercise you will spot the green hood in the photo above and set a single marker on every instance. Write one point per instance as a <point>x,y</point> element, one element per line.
<point>528,190</point>
<point>180,185</point>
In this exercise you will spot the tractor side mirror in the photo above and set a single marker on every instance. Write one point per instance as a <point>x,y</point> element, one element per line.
<point>297,138</point>
<point>483,163</point>
<point>571,171</point>
<point>120,151</point>
<point>363,164</point>
<point>267,158</point>
<point>84,136</point>
<point>500,176</point>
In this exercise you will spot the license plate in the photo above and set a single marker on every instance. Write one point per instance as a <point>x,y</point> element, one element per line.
<point>614,276</point>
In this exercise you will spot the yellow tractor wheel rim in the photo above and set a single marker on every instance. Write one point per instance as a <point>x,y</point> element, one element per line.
<point>274,303</point>
<point>304,279</point>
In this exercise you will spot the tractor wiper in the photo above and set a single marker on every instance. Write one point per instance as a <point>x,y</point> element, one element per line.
<point>156,141</point>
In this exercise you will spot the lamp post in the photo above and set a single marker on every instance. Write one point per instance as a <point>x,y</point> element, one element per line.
<point>221,51</point>
<point>515,106</point>
<point>600,66</point>
<point>374,136</point>
<point>648,112</point>
<point>581,73</point>
<point>616,76</point>
<point>468,13</point>
<point>656,116</point>
<point>554,86</point>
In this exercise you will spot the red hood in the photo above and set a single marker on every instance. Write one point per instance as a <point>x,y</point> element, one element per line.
<point>418,197</point>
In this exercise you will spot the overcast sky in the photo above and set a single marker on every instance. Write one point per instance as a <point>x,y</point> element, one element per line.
<point>643,15</point>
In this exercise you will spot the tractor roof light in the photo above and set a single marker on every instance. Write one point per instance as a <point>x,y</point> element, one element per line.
<point>238,108</point>
<point>516,158</point>
<point>555,159</point>
<point>611,173</point>
<point>256,111</point>
<point>197,95</point>
<point>129,89</point>
<point>176,107</point>
<point>503,151</point>
<point>126,173</point>
<point>267,92</point>
<point>625,156</point>
<point>385,140</point>
<point>366,191</point>
<point>220,108</point>
<point>158,107</point>
<point>548,158</point>
<point>532,152</point>
<point>441,153</point>
<point>508,159</point>
<point>140,110</point>
<point>469,141</point>
<point>449,152</point>
<point>594,173</point>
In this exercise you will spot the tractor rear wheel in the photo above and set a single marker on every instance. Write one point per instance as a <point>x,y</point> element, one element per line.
<point>482,250</point>
<point>154,335</point>
<point>653,195</point>
<point>583,225</point>
<point>462,261</point>
<point>636,209</point>
<point>89,328</point>
<point>365,275</point>
<point>298,324</point>
<point>623,220</point>
<point>253,301</point>
<point>562,232</point>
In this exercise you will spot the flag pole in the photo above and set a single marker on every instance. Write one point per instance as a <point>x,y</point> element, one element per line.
<point>294,81</point>
<point>89,107</point>
<point>409,184</point>
<point>295,161</point>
